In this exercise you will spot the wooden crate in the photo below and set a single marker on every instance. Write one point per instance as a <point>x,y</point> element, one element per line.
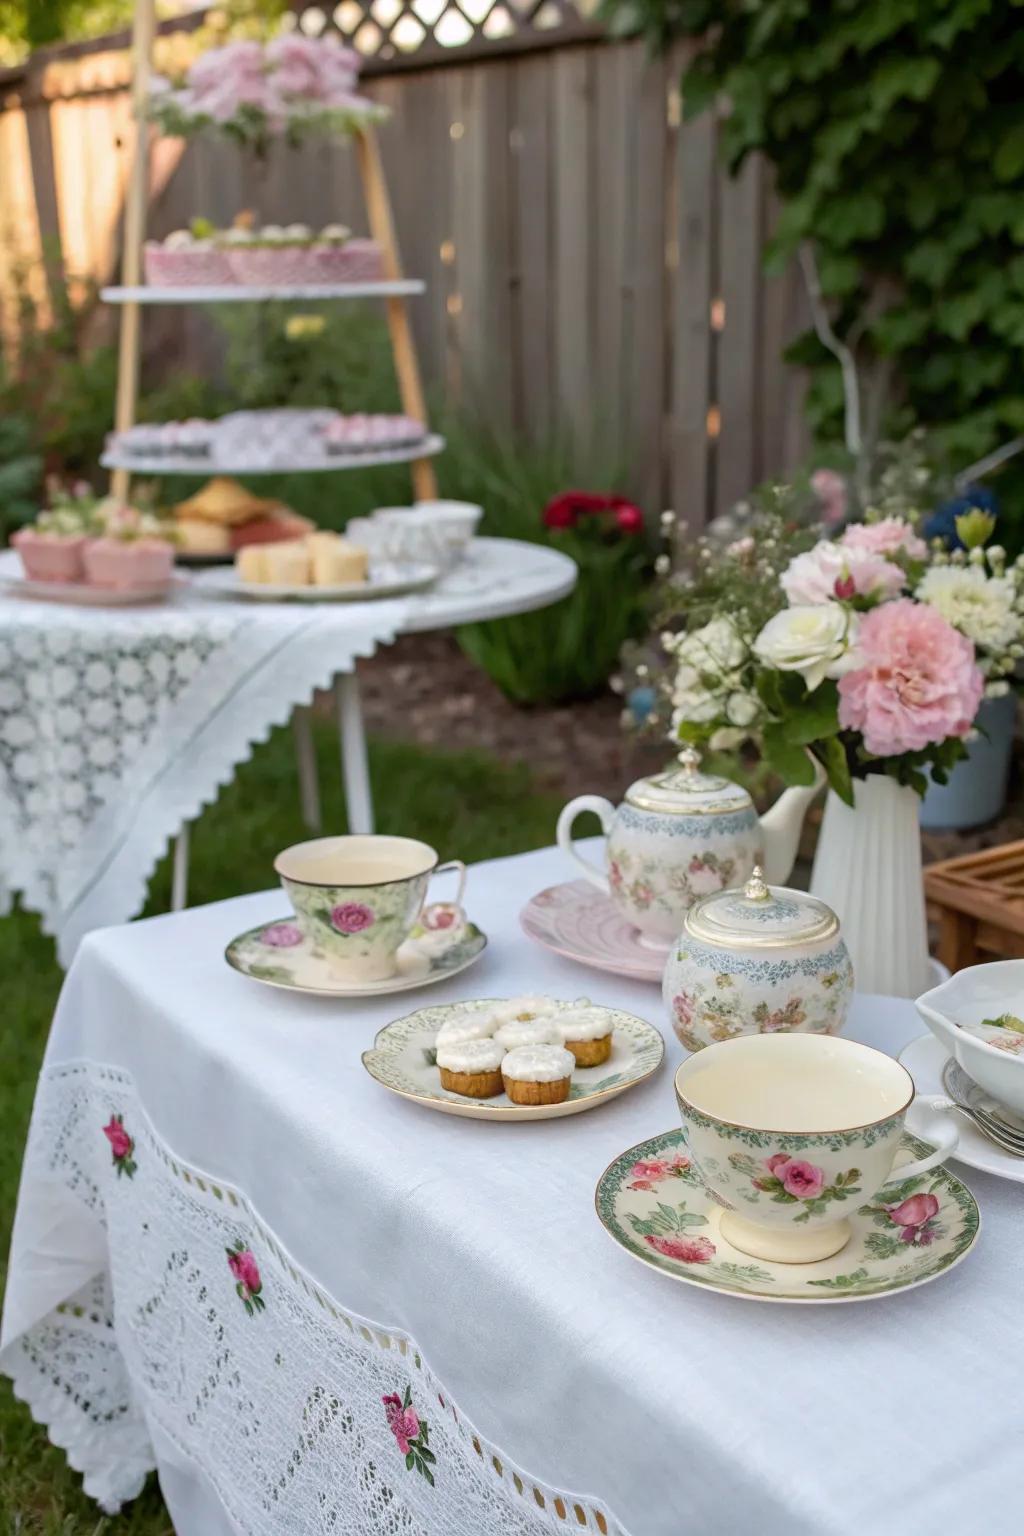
<point>977,900</point>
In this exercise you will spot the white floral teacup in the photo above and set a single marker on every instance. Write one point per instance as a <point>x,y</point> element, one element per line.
<point>356,899</point>
<point>786,1130</point>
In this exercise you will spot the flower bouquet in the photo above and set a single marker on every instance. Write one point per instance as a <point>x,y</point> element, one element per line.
<point>252,91</point>
<point>869,652</point>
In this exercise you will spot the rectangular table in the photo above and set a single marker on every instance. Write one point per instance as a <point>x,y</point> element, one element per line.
<point>564,1387</point>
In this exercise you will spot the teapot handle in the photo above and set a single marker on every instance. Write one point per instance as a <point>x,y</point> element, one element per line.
<point>605,812</point>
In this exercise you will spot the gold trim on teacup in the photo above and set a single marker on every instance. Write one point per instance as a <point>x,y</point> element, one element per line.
<point>356,885</point>
<point>768,1130</point>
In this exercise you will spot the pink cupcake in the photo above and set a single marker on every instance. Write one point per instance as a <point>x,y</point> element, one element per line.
<point>50,556</point>
<point>274,266</point>
<point>125,563</point>
<point>357,261</point>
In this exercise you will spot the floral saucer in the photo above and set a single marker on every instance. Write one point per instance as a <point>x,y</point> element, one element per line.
<point>928,1062</point>
<point>402,1059</point>
<point>578,921</point>
<point>276,954</point>
<point>652,1202</point>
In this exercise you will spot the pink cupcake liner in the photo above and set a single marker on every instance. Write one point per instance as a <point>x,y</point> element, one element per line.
<point>271,266</point>
<point>185,268</point>
<point>357,261</point>
<point>141,563</point>
<point>50,556</point>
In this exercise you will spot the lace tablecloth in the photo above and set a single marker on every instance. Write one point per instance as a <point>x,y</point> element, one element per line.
<point>321,1309</point>
<point>118,725</point>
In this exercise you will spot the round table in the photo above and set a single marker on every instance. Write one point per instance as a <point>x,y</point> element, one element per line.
<point>117,725</point>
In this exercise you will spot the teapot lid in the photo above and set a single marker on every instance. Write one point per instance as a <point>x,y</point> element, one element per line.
<point>760,916</point>
<point>685,791</point>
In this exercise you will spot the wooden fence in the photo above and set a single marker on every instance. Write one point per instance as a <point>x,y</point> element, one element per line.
<point>589,266</point>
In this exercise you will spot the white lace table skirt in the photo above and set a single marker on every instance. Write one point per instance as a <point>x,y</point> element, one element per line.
<point>118,725</point>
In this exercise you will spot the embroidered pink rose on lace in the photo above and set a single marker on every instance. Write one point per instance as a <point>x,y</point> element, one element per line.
<point>352,917</point>
<point>122,1146</point>
<point>281,935</point>
<point>689,1250</point>
<point>248,1281</point>
<point>411,1433</point>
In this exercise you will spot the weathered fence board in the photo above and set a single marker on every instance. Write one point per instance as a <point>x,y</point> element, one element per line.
<point>591,269</point>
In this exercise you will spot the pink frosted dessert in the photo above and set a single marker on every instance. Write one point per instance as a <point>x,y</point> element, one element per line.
<point>123,563</point>
<point>197,266</point>
<point>274,266</point>
<point>50,556</point>
<point>356,261</point>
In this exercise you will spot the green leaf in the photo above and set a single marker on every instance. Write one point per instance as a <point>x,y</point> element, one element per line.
<point>817,716</point>
<point>410,1462</point>
<point>831,753</point>
<point>791,763</point>
<point>1008,161</point>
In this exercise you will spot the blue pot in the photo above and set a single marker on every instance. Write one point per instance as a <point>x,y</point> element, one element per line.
<point>976,792</point>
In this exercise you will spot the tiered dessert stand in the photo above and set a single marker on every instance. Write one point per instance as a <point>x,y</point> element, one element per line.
<point>132,294</point>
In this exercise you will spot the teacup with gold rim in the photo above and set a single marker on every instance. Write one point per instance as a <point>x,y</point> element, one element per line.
<point>790,1132</point>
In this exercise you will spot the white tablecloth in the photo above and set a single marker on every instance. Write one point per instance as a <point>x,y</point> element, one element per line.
<point>564,1386</point>
<point>118,725</point>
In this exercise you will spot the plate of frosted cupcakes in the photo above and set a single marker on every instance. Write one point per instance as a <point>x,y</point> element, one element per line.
<point>519,1058</point>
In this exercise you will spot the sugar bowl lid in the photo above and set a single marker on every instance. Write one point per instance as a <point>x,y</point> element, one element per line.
<point>685,791</point>
<point>760,916</point>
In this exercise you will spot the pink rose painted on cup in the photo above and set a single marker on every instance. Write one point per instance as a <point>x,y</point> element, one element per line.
<point>411,1434</point>
<point>801,1180</point>
<point>776,1161</point>
<point>352,917</point>
<point>122,1146</point>
<point>281,936</point>
<point>689,1250</point>
<point>248,1281</point>
<point>683,1007</point>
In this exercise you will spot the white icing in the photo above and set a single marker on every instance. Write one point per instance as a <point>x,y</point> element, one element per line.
<point>470,1056</point>
<point>468,1027</point>
<point>521,1010</point>
<point>538,1064</point>
<point>583,1024</point>
<point>530,1032</point>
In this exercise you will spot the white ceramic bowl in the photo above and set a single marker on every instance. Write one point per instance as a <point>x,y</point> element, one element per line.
<point>970,997</point>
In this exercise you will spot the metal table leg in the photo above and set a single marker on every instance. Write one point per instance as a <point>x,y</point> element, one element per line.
<point>179,871</point>
<point>305,762</point>
<point>355,769</point>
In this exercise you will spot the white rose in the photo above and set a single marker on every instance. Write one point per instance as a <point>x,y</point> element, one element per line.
<point>815,640</point>
<point>717,647</point>
<point>741,708</point>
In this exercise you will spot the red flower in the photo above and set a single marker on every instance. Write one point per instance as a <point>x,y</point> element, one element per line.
<point>629,518</point>
<point>845,588</point>
<point>560,512</point>
<point>245,1270</point>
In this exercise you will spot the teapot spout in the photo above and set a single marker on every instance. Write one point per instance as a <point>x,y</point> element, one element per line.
<point>780,827</point>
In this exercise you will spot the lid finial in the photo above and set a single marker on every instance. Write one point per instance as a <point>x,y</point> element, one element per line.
<point>689,757</point>
<point>755,888</point>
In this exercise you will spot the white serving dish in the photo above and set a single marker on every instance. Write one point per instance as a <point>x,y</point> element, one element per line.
<point>384,580</point>
<point>970,997</point>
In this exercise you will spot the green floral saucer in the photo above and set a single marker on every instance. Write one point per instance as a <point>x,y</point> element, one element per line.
<point>277,955</point>
<point>402,1059</point>
<point>652,1202</point>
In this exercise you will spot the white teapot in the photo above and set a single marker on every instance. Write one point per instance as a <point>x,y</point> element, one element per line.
<point>684,834</point>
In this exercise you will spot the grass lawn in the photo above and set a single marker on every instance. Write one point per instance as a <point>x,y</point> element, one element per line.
<point>466,805</point>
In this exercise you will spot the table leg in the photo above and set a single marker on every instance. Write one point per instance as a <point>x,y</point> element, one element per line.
<point>305,762</point>
<point>179,872</point>
<point>355,769</point>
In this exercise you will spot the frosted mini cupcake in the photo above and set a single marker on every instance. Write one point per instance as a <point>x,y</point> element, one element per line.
<point>587,1033</point>
<point>472,1068</point>
<point>530,1032</point>
<point>537,1074</point>
<point>458,1031</point>
<point>520,1010</point>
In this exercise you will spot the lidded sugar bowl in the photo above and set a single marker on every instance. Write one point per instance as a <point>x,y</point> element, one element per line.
<point>757,960</point>
<point>680,835</point>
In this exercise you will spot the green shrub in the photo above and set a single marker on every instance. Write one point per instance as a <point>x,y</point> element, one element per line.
<point>569,650</point>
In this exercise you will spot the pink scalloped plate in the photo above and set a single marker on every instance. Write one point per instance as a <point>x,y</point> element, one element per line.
<point>576,920</point>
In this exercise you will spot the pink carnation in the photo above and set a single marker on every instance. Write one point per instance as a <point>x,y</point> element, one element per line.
<point>918,684</point>
<point>889,536</point>
<point>832,570</point>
